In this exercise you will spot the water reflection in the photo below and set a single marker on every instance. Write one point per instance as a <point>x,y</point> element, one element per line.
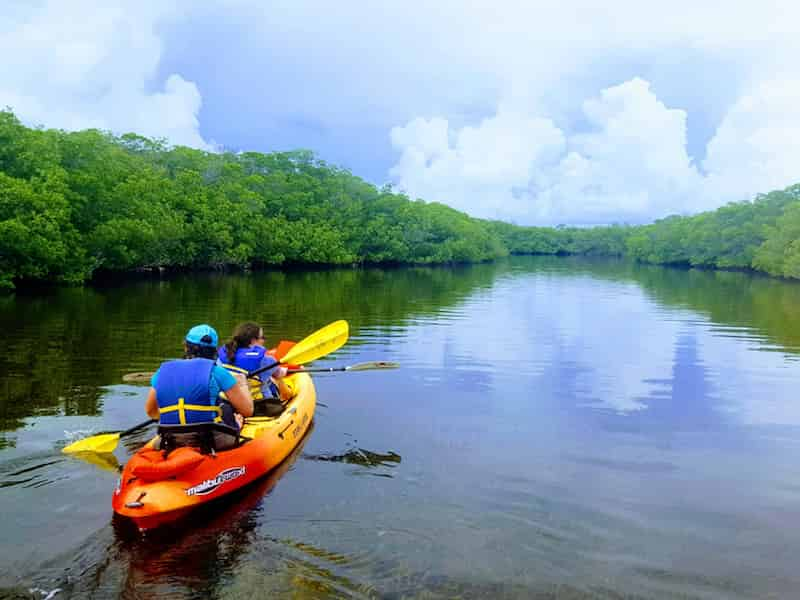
<point>685,401</point>
<point>64,345</point>
<point>105,461</point>
<point>567,427</point>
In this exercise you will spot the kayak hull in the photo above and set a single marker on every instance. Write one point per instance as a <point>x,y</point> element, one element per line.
<point>153,500</point>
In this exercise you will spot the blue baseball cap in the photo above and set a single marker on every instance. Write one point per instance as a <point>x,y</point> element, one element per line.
<point>203,335</point>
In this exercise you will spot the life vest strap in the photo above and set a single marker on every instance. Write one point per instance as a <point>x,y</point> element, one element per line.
<point>253,383</point>
<point>235,369</point>
<point>181,407</point>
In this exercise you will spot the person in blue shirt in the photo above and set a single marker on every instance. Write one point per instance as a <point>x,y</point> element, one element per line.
<point>244,353</point>
<point>185,394</point>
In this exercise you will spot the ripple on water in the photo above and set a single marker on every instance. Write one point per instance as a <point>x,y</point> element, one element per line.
<point>31,471</point>
<point>337,558</point>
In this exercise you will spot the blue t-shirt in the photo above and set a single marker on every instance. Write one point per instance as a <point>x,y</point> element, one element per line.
<point>221,381</point>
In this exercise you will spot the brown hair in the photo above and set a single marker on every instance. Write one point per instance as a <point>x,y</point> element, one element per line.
<point>197,351</point>
<point>242,335</point>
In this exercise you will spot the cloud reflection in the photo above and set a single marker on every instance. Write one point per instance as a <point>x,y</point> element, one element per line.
<point>581,343</point>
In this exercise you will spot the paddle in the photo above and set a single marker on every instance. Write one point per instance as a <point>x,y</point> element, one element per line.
<point>324,341</point>
<point>103,442</point>
<point>365,366</point>
<point>318,344</point>
<point>378,365</point>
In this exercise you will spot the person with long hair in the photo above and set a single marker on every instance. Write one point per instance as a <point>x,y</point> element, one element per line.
<point>185,395</point>
<point>243,353</point>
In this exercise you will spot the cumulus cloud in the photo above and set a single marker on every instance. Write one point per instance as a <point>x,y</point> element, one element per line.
<point>630,165</point>
<point>631,162</point>
<point>756,146</point>
<point>86,64</point>
<point>467,172</point>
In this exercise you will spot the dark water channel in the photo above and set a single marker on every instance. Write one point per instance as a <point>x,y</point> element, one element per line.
<point>559,429</point>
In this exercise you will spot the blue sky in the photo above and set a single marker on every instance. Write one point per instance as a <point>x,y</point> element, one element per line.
<point>541,114</point>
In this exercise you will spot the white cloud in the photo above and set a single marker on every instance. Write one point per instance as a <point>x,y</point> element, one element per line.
<point>632,165</point>
<point>756,146</point>
<point>87,64</point>
<point>498,154</point>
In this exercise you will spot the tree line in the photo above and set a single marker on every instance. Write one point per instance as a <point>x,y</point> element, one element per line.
<point>76,204</point>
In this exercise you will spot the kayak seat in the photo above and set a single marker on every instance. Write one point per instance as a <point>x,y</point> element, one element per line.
<point>269,407</point>
<point>207,437</point>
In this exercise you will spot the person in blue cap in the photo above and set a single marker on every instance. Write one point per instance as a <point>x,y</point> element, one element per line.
<point>185,395</point>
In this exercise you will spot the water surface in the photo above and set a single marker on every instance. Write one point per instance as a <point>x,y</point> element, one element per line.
<point>560,428</point>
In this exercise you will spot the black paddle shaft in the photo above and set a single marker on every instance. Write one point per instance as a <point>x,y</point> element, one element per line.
<point>137,427</point>
<point>262,369</point>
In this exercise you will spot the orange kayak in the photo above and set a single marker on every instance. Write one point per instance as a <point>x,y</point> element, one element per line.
<point>153,490</point>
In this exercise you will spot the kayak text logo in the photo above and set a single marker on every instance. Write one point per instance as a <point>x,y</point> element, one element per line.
<point>209,485</point>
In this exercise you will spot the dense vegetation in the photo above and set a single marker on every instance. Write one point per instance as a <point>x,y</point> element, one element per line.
<point>758,234</point>
<point>75,204</point>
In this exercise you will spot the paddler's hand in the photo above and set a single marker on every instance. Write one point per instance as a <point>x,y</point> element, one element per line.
<point>280,372</point>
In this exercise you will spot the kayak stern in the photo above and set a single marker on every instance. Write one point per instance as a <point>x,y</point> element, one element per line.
<point>153,500</point>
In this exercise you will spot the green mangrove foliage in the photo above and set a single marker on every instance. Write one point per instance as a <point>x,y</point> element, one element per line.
<point>739,235</point>
<point>595,241</point>
<point>75,204</point>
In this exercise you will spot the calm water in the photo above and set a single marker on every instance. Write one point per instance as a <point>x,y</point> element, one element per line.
<point>559,429</point>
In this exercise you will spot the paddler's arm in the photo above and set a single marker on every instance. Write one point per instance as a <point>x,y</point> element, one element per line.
<point>239,395</point>
<point>151,405</point>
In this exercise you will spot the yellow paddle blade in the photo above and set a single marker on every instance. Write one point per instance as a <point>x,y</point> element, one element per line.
<point>324,341</point>
<point>103,443</point>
